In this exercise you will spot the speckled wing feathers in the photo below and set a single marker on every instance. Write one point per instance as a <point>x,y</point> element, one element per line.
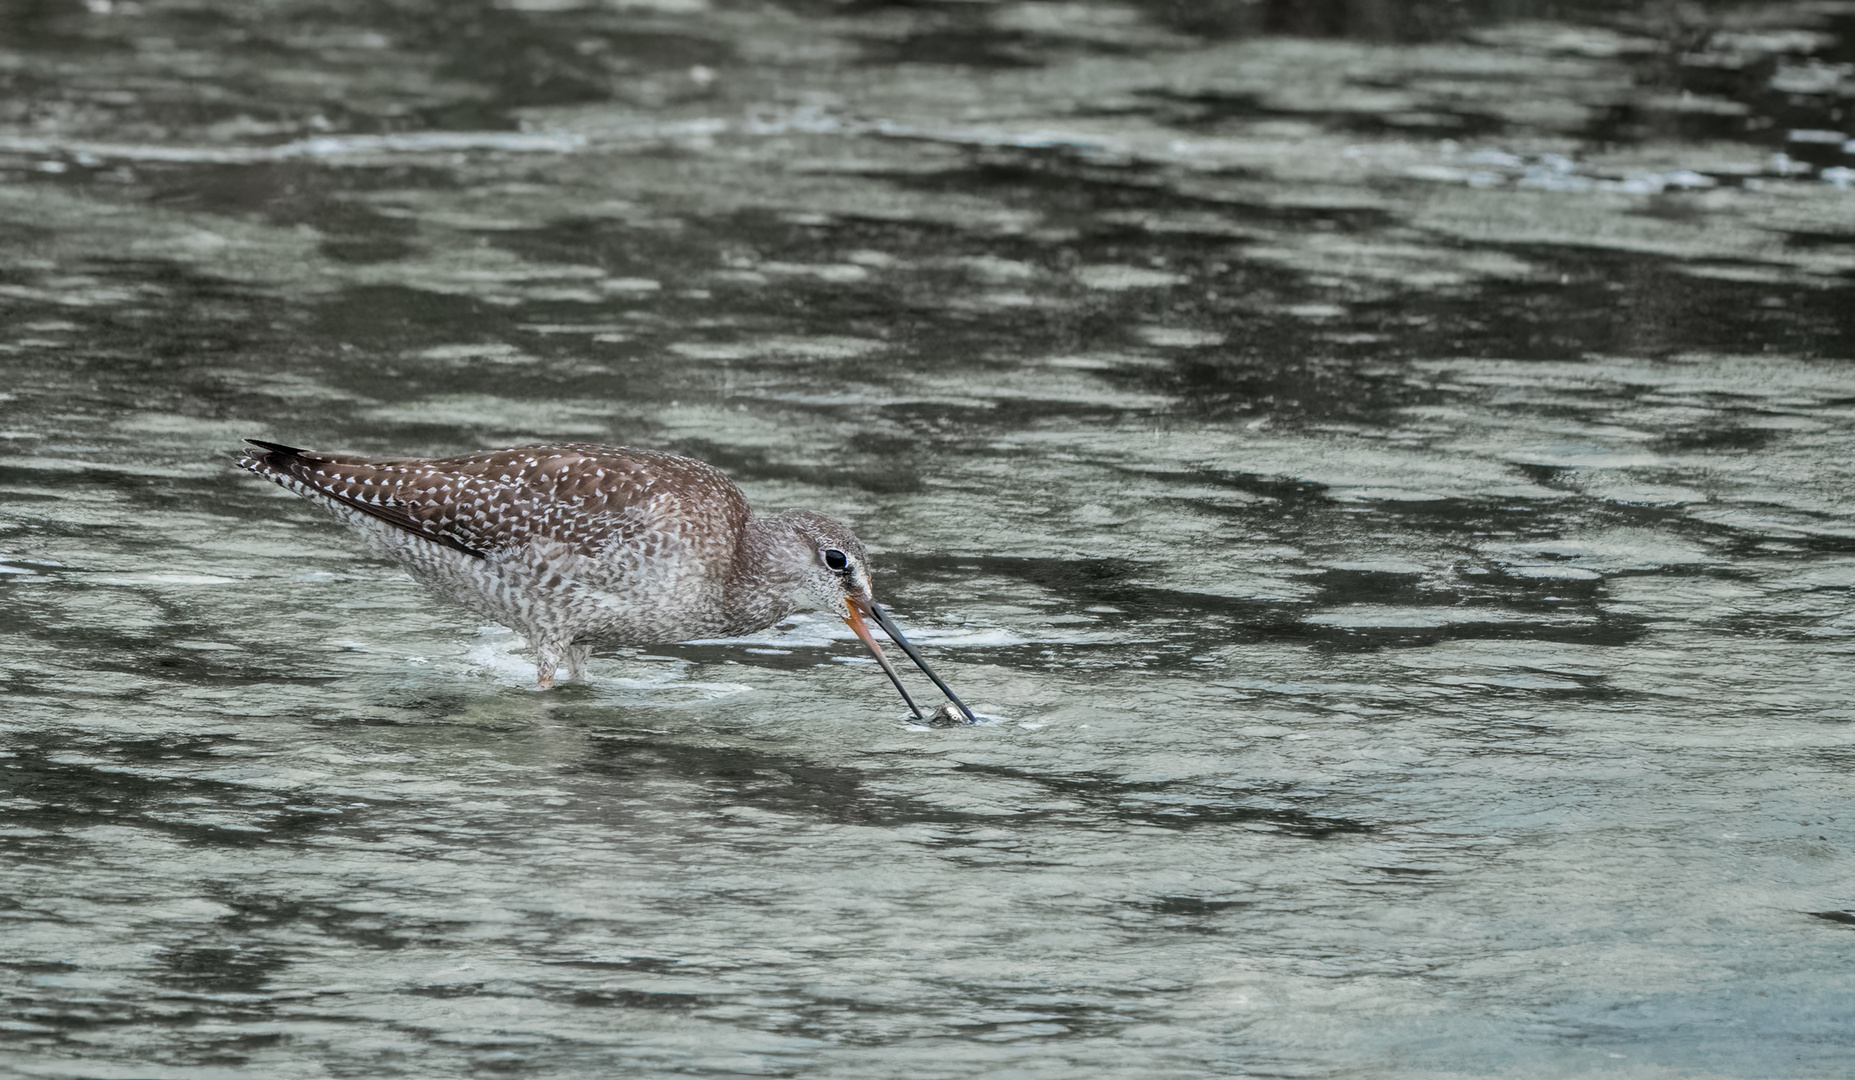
<point>574,498</point>
<point>365,487</point>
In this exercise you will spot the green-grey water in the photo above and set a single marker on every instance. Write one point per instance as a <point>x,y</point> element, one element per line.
<point>1383,470</point>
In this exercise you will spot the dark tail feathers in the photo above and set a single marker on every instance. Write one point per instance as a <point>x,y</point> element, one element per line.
<point>278,448</point>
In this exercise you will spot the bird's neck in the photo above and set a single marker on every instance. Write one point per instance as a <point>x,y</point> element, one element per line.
<point>759,592</point>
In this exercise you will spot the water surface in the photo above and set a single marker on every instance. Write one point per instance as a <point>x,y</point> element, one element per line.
<point>1384,469</point>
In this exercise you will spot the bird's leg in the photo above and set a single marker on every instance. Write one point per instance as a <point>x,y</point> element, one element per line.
<point>576,657</point>
<point>547,659</point>
<point>550,656</point>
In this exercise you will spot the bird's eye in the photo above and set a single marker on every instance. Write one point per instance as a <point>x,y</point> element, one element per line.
<point>834,559</point>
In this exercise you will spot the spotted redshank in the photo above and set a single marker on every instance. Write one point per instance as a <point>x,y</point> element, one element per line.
<point>576,545</point>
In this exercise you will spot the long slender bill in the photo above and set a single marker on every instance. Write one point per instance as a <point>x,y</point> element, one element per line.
<point>882,619</point>
<point>855,622</point>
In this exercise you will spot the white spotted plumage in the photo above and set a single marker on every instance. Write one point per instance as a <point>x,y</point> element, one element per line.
<point>578,544</point>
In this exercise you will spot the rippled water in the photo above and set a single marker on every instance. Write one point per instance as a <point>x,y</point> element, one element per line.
<point>1386,467</point>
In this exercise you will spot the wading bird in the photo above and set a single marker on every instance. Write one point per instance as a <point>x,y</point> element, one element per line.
<point>574,545</point>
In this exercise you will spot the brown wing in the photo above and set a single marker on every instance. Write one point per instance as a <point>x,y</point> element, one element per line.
<point>583,496</point>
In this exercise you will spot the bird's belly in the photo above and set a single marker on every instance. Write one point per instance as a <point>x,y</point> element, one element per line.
<point>554,596</point>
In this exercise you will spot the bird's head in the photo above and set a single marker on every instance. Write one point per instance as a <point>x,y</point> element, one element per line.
<point>836,578</point>
<point>835,575</point>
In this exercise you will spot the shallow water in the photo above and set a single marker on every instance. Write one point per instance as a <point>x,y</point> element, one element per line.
<point>1384,470</point>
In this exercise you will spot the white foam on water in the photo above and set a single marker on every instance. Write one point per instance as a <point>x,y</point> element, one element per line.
<point>163,578</point>
<point>501,654</point>
<point>1557,571</point>
<point>1371,616</point>
<point>980,719</point>
<point>322,146</point>
<point>707,691</point>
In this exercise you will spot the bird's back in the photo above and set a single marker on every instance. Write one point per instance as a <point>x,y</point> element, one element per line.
<point>605,539</point>
<point>582,496</point>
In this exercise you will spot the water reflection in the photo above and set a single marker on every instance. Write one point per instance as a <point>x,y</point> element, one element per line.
<point>1382,464</point>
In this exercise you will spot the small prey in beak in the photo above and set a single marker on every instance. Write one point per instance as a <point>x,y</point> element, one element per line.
<point>855,612</point>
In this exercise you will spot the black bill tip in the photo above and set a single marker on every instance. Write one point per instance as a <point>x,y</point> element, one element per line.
<point>895,634</point>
